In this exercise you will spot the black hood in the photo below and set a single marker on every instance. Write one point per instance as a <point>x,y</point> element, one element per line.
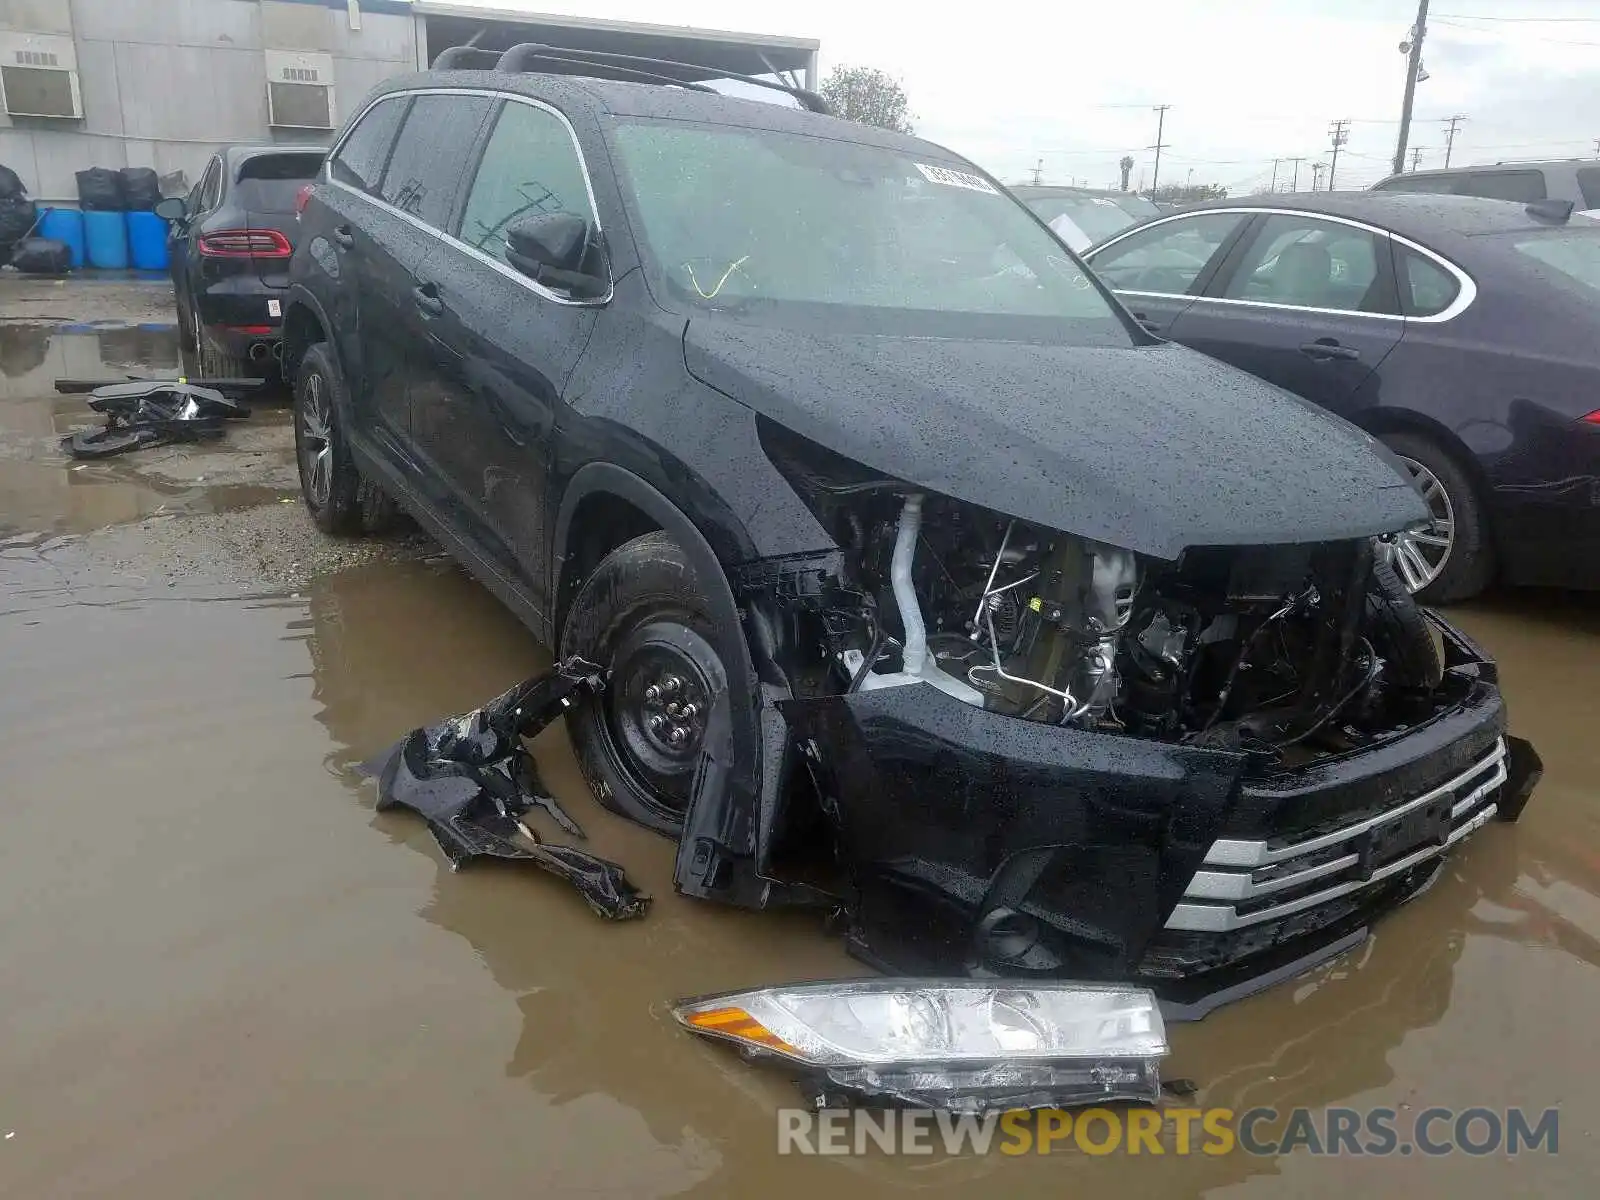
<point>1149,448</point>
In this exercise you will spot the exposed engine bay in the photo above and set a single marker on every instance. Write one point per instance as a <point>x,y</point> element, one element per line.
<point>1269,648</point>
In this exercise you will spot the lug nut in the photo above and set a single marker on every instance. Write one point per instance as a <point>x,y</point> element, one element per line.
<point>670,684</point>
<point>656,722</point>
<point>689,711</point>
<point>672,708</point>
<point>652,693</point>
<point>677,736</point>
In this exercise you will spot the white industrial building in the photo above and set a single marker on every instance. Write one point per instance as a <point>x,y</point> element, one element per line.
<point>164,83</point>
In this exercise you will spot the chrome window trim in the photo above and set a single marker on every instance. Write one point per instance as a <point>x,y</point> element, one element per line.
<point>1467,288</point>
<point>505,269</point>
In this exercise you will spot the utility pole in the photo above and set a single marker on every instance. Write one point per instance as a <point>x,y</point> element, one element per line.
<point>1416,156</point>
<point>1413,51</point>
<point>1294,184</point>
<point>1155,171</point>
<point>1316,175</point>
<point>1276,161</point>
<point>1340,130</point>
<point>1597,147</point>
<point>1450,136</point>
<point>1038,172</point>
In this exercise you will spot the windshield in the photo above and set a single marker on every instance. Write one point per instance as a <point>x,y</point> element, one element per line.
<point>1097,216</point>
<point>1570,258</point>
<point>268,183</point>
<point>750,220</point>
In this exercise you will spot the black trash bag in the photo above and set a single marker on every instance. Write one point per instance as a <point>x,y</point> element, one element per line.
<point>100,190</point>
<point>42,256</point>
<point>10,184</point>
<point>141,188</point>
<point>471,778</point>
<point>18,216</point>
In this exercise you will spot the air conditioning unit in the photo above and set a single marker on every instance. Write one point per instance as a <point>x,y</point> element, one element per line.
<point>39,76</point>
<point>299,90</point>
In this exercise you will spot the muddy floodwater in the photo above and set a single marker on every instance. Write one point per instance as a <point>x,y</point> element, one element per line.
<point>223,974</point>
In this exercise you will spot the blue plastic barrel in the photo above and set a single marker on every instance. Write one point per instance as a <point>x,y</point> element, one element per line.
<point>147,241</point>
<point>106,239</point>
<point>64,225</point>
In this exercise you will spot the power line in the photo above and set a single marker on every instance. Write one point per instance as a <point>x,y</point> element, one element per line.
<point>1553,41</point>
<point>1294,185</point>
<point>1527,20</point>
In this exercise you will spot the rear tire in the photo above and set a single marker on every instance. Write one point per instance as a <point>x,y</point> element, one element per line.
<point>1469,565</point>
<point>329,482</point>
<point>642,616</point>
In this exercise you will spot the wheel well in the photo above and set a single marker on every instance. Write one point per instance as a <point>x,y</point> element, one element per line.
<point>1398,420</point>
<point>601,522</point>
<point>301,331</point>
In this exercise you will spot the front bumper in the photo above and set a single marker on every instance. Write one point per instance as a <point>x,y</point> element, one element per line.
<point>987,845</point>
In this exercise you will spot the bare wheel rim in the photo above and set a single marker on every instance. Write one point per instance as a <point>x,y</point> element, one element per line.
<point>1421,554</point>
<point>316,441</point>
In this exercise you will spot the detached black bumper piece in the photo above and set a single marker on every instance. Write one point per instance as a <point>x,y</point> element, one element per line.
<point>986,845</point>
<point>473,781</point>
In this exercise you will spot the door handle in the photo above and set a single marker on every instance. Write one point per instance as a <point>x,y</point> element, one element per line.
<point>427,300</point>
<point>344,235</point>
<point>1328,349</point>
<point>1149,325</point>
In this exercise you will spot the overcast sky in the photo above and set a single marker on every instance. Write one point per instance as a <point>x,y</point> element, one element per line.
<point>1010,82</point>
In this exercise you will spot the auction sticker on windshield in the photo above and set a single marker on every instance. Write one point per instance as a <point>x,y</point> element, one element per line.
<point>960,179</point>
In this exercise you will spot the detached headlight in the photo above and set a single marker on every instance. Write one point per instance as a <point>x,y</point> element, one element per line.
<point>965,1045</point>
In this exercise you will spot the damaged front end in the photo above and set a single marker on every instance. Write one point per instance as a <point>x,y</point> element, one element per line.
<point>1023,753</point>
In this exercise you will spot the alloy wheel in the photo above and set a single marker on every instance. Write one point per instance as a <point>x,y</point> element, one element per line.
<point>1419,555</point>
<point>316,441</point>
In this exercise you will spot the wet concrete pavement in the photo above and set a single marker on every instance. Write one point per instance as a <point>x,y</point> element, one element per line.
<point>221,973</point>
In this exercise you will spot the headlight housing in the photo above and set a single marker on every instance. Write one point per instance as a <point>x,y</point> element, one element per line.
<point>965,1045</point>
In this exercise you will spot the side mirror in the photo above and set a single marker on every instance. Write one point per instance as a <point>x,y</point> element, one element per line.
<point>550,248</point>
<point>173,208</point>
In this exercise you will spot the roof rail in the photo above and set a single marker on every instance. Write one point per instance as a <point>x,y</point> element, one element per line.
<point>525,56</point>
<point>466,58</point>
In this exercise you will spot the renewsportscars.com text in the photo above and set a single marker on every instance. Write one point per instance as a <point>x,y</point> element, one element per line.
<point>1373,1132</point>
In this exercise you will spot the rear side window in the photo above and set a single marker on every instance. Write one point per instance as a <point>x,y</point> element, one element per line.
<point>1165,259</point>
<point>1521,186</point>
<point>1589,185</point>
<point>1426,288</point>
<point>530,167</point>
<point>431,154</point>
<point>360,160</point>
<point>269,183</point>
<point>1306,263</point>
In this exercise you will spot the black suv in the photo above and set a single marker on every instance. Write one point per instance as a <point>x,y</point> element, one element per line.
<point>926,585</point>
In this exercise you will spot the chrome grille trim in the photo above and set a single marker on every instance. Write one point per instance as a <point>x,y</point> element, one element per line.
<point>1209,902</point>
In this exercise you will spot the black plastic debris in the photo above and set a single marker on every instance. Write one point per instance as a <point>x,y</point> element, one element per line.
<point>152,413</point>
<point>474,782</point>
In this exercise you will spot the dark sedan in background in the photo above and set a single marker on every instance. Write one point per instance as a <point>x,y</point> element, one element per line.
<point>230,242</point>
<point>1081,216</point>
<point>1464,333</point>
